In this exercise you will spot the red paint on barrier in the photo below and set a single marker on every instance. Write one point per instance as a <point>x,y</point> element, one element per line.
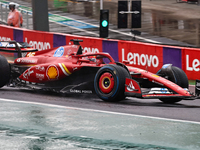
<point>191,62</point>
<point>145,56</point>
<point>89,44</point>
<point>6,33</point>
<point>38,39</point>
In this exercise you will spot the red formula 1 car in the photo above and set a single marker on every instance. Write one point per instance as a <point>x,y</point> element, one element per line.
<point>67,69</point>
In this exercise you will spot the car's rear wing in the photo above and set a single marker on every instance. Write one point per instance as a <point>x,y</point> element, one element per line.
<point>16,47</point>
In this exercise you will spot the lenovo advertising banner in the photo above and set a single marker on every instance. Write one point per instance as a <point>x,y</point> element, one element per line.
<point>191,63</point>
<point>89,44</point>
<point>144,56</point>
<point>6,33</point>
<point>39,40</point>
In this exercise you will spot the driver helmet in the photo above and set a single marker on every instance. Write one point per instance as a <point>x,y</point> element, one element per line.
<point>12,5</point>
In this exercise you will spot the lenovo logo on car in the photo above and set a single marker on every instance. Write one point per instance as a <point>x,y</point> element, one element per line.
<point>39,45</point>
<point>5,39</point>
<point>193,66</point>
<point>90,50</point>
<point>141,59</point>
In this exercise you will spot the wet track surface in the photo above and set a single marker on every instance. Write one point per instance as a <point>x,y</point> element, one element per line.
<point>33,126</point>
<point>184,110</point>
<point>38,120</point>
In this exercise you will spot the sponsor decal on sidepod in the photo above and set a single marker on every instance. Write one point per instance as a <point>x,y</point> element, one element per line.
<point>52,72</point>
<point>26,61</point>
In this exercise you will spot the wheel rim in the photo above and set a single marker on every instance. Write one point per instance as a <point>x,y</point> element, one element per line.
<point>106,83</point>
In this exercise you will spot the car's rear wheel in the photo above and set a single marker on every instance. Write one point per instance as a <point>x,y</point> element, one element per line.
<point>4,71</point>
<point>181,80</point>
<point>109,83</point>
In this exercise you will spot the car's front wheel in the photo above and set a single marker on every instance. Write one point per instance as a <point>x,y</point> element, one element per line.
<point>4,71</point>
<point>180,78</point>
<point>109,83</point>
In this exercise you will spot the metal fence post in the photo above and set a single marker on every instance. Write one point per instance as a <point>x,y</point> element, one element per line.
<point>6,13</point>
<point>40,15</point>
<point>1,12</point>
<point>27,20</point>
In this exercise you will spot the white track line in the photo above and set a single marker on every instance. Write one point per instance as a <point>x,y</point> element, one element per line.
<point>99,111</point>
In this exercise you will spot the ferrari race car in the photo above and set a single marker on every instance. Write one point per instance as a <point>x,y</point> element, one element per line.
<point>66,69</point>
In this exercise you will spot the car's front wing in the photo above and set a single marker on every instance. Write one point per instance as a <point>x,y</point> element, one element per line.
<point>133,89</point>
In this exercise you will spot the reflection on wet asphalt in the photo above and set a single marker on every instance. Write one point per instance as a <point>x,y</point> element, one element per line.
<point>43,127</point>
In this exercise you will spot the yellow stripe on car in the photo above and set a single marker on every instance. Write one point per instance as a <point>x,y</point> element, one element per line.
<point>64,69</point>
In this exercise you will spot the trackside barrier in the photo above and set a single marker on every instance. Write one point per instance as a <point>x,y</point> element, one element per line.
<point>141,55</point>
<point>147,56</point>
<point>93,45</point>
<point>191,62</point>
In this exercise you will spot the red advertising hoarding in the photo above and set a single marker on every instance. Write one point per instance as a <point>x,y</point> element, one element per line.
<point>6,33</point>
<point>191,63</point>
<point>38,39</point>
<point>89,44</point>
<point>141,55</point>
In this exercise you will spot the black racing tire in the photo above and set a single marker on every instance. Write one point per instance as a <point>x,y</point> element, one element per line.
<point>181,79</point>
<point>4,71</point>
<point>109,83</point>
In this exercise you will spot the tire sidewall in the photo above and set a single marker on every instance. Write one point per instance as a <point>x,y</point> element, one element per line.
<point>103,96</point>
<point>181,77</point>
<point>4,71</point>
<point>119,74</point>
<point>181,80</point>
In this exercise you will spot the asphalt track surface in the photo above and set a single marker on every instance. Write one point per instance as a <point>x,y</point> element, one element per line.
<point>184,110</point>
<point>39,126</point>
<point>35,120</point>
